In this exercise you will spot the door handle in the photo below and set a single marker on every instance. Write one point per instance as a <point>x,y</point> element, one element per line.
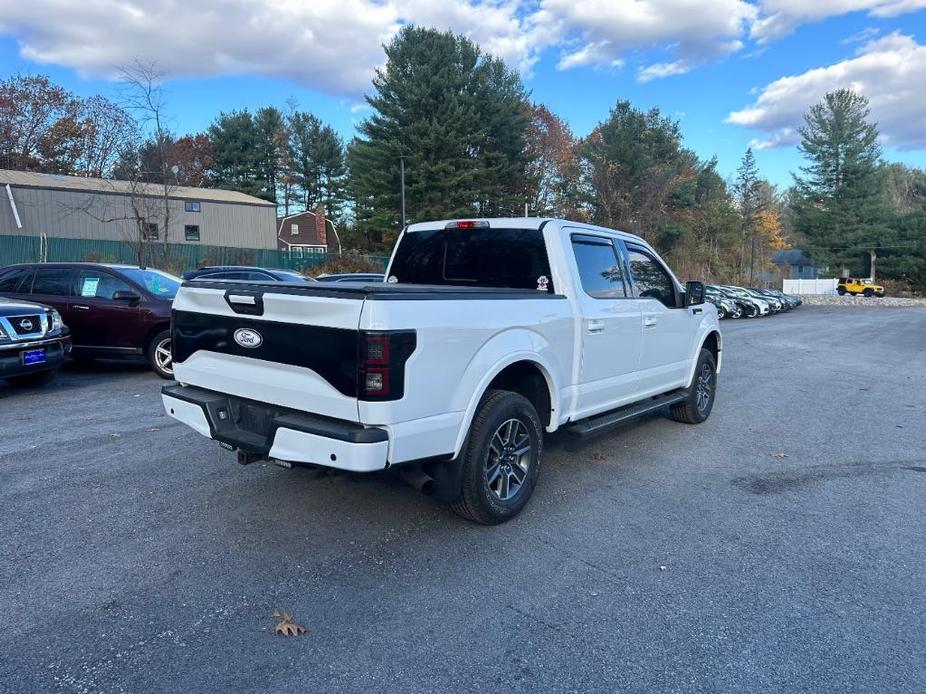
<point>596,326</point>
<point>696,311</point>
<point>649,322</point>
<point>80,307</point>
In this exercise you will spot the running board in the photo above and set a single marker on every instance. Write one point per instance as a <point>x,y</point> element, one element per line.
<point>601,422</point>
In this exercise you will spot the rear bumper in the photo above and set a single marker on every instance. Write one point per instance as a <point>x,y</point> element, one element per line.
<point>277,432</point>
<point>11,356</point>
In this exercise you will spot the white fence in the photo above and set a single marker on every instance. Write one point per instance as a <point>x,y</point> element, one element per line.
<point>827,287</point>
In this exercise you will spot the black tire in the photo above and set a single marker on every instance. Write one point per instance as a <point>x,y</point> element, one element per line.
<point>694,409</point>
<point>36,380</point>
<point>481,498</point>
<point>155,355</point>
<point>721,313</point>
<point>752,311</point>
<point>841,291</point>
<point>868,292</point>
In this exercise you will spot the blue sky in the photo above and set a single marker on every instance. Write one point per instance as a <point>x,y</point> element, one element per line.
<point>698,62</point>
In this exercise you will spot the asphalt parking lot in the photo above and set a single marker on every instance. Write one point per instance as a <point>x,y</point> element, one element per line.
<point>777,547</point>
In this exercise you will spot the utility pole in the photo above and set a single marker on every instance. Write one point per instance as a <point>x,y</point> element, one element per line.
<point>402,176</point>
<point>873,254</point>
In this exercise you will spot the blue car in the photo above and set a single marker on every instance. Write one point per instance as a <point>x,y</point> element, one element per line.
<point>243,272</point>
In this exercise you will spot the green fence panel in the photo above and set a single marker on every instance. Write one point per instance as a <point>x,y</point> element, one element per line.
<point>174,257</point>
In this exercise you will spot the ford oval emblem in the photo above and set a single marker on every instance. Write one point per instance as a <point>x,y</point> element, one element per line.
<point>248,338</point>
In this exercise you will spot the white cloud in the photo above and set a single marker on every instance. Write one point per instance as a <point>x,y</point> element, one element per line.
<point>601,32</point>
<point>335,45</point>
<point>890,71</point>
<point>332,45</point>
<point>779,18</point>
<point>658,70</point>
<point>496,26</point>
<point>865,35</point>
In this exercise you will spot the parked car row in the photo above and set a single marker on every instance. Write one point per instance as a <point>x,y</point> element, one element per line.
<point>749,302</point>
<point>88,310</point>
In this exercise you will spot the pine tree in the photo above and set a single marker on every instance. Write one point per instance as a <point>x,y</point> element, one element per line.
<point>840,196</point>
<point>455,115</point>
<point>269,127</point>
<point>318,163</point>
<point>747,190</point>
<point>235,153</point>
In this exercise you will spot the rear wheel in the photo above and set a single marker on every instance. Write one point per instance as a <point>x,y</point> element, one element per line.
<point>841,291</point>
<point>501,459</point>
<point>699,401</point>
<point>159,355</point>
<point>752,311</point>
<point>35,380</point>
<point>869,292</point>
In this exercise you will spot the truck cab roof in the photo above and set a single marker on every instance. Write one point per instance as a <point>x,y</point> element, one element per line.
<point>520,223</point>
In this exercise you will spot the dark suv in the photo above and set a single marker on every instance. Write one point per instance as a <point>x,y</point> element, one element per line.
<point>110,309</point>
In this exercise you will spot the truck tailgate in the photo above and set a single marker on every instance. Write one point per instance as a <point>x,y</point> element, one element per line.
<point>276,343</point>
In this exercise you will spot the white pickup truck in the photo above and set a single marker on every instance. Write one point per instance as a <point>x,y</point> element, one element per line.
<point>486,334</point>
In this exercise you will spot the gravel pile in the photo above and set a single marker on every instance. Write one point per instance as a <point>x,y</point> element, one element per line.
<point>888,301</point>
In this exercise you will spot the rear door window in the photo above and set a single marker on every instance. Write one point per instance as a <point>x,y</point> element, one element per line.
<point>484,257</point>
<point>53,281</point>
<point>599,267</point>
<point>650,278</point>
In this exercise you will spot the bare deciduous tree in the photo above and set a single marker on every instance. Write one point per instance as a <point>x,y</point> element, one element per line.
<point>143,95</point>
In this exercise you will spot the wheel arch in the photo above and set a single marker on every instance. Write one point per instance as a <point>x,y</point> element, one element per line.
<point>711,341</point>
<point>152,333</point>
<point>523,373</point>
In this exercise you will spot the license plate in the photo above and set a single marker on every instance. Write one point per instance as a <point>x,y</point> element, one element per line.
<point>33,356</point>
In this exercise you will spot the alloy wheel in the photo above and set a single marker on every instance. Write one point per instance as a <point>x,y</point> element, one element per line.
<point>508,459</point>
<point>163,358</point>
<point>704,388</point>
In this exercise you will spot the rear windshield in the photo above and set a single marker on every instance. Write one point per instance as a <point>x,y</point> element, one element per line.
<point>505,258</point>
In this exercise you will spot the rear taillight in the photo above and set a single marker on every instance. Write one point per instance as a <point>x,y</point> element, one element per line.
<point>381,367</point>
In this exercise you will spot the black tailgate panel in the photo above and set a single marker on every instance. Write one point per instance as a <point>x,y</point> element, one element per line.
<point>332,353</point>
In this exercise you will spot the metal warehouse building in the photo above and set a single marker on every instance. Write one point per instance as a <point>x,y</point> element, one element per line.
<point>102,209</point>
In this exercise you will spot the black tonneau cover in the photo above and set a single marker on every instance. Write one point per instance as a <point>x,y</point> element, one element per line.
<point>373,291</point>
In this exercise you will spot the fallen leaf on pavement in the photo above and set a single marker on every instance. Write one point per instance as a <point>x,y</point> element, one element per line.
<point>286,627</point>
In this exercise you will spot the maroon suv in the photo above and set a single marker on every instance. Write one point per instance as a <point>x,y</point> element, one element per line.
<point>110,309</point>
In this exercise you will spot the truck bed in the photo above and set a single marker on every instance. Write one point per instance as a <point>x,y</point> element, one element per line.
<point>374,291</point>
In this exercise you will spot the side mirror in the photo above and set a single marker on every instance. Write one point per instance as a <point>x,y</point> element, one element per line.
<point>694,293</point>
<point>127,295</point>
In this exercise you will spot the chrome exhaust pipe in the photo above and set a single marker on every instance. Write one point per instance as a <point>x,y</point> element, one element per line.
<point>417,478</point>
